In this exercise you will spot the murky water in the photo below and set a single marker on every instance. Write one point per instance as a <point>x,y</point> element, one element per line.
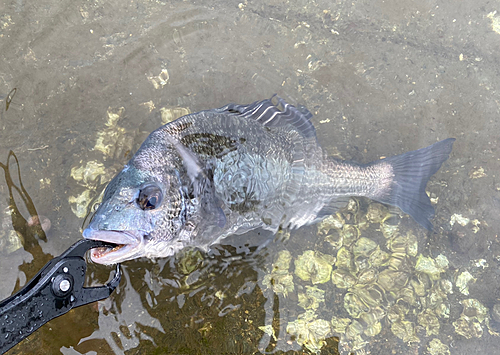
<point>83,83</point>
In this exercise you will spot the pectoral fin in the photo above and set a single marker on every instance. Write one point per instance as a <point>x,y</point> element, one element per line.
<point>202,184</point>
<point>190,161</point>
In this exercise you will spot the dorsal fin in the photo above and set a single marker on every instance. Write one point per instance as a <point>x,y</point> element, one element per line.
<point>276,112</point>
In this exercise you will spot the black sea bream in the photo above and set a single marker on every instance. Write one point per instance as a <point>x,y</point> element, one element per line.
<point>226,171</point>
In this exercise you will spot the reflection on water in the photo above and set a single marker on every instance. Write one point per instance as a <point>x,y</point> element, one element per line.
<point>92,80</point>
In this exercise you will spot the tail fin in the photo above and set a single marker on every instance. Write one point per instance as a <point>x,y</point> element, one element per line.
<point>412,171</point>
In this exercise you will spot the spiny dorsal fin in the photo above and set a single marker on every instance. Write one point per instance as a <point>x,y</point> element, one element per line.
<point>276,112</point>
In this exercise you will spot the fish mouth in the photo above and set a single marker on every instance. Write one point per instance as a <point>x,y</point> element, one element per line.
<point>127,245</point>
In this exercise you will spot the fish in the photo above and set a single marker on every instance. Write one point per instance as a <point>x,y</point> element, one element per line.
<point>227,171</point>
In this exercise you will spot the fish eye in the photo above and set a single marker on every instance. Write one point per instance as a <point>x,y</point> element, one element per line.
<point>149,198</point>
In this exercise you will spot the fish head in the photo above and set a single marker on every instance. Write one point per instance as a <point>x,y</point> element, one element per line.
<point>142,213</point>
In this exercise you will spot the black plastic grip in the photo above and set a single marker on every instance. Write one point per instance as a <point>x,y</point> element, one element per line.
<point>25,312</point>
<point>56,289</point>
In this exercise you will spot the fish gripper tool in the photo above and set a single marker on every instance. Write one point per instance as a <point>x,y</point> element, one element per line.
<point>55,289</point>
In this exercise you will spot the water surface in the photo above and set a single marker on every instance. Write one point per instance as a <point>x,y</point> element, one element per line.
<point>92,80</point>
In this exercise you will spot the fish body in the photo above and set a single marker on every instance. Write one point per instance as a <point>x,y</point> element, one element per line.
<point>230,170</point>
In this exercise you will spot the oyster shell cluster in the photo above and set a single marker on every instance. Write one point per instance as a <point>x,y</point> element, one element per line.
<point>384,277</point>
<point>376,269</point>
<point>112,142</point>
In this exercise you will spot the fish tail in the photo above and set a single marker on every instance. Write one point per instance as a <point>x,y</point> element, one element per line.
<point>410,173</point>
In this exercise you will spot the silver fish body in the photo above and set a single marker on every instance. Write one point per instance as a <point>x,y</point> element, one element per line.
<point>226,171</point>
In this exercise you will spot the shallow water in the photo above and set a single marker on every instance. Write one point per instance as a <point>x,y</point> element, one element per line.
<point>381,77</point>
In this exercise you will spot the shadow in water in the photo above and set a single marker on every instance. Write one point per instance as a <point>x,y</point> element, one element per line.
<point>29,230</point>
<point>63,331</point>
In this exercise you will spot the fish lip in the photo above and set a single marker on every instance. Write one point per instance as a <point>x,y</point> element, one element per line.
<point>128,245</point>
<point>113,236</point>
